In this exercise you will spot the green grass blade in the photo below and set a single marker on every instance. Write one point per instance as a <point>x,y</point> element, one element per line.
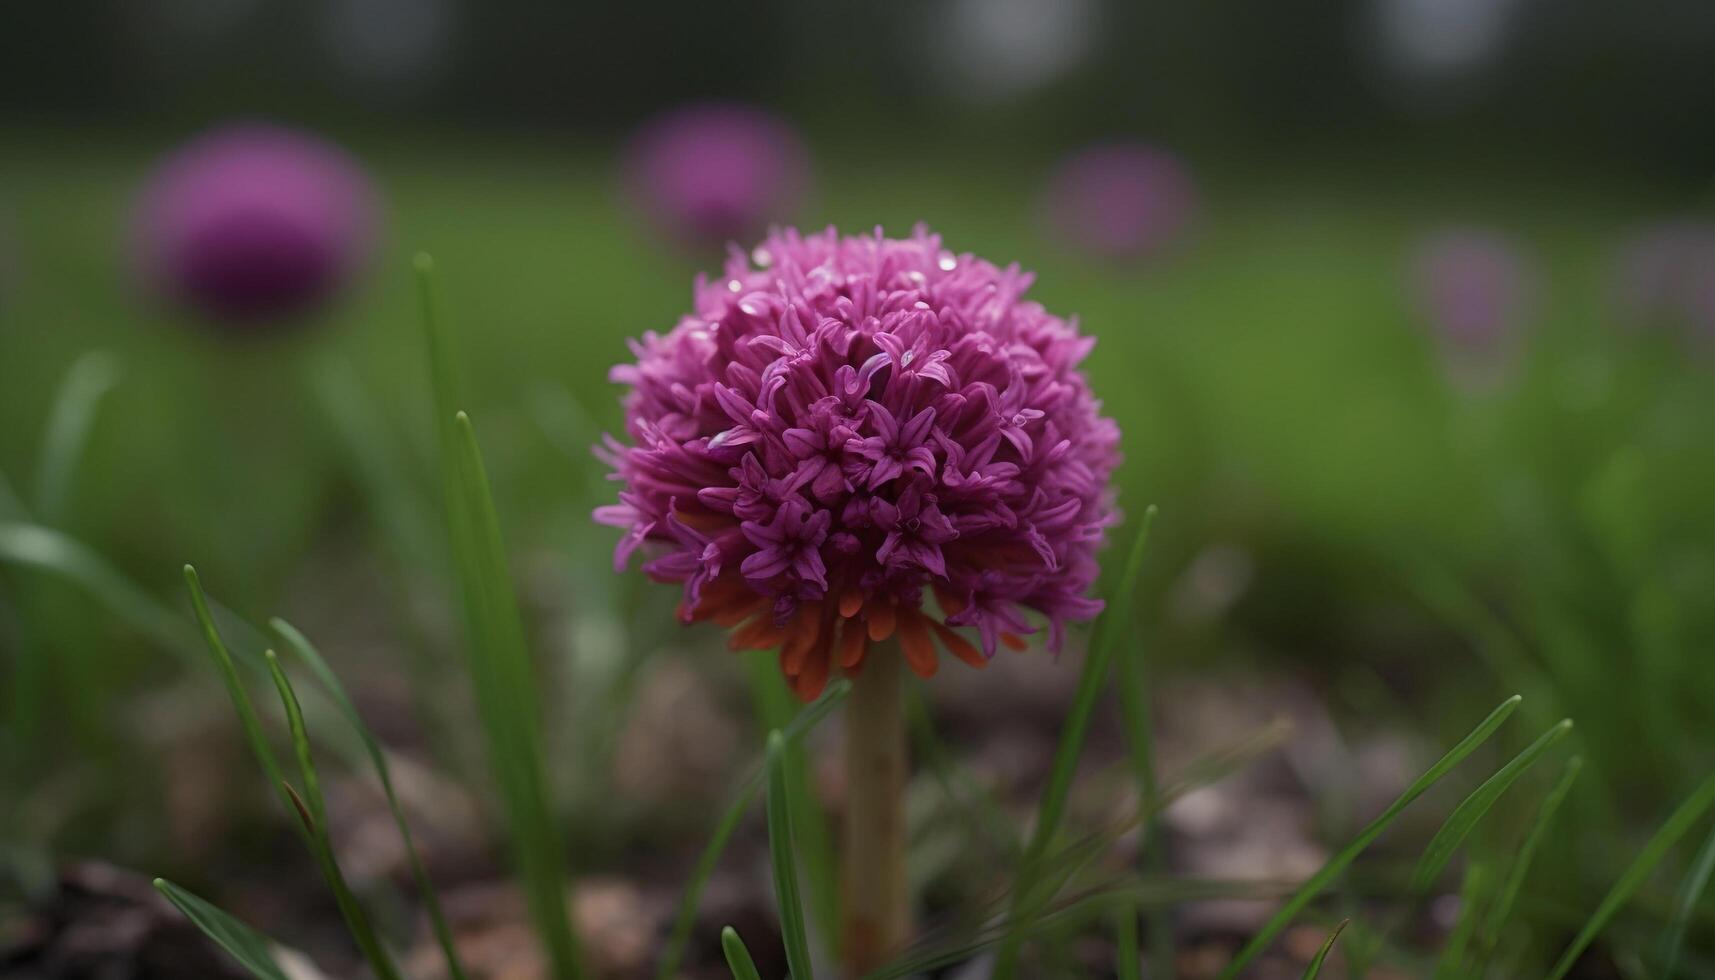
<point>501,672</point>
<point>1116,619</point>
<point>1338,863</point>
<point>1654,850</point>
<point>250,948</point>
<point>1502,910</point>
<point>775,706</point>
<point>806,719</point>
<point>737,956</point>
<point>1074,914</point>
<point>1140,750</point>
<point>978,806</point>
<point>247,716</point>
<point>321,844</point>
<point>687,917</point>
<point>1451,964</point>
<point>1690,891</point>
<point>509,711</point>
<point>792,932</point>
<point>1477,805</point>
<point>1127,965</point>
<point>45,549</point>
<point>70,422</point>
<point>1063,864</point>
<point>330,682</point>
<point>1314,970</point>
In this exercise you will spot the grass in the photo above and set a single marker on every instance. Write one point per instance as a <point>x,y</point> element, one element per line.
<point>737,956</point>
<point>1472,809</point>
<point>503,677</point>
<point>1314,970</point>
<point>806,720</point>
<point>1346,855</point>
<point>1115,621</point>
<point>252,951</point>
<point>1501,910</point>
<point>1676,826</point>
<point>308,808</point>
<point>783,858</point>
<point>331,684</point>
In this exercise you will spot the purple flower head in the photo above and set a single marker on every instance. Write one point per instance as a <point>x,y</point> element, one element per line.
<point>1121,201</point>
<point>714,173</point>
<point>1473,288</point>
<point>253,222</point>
<point>850,426</point>
<point>1666,276</point>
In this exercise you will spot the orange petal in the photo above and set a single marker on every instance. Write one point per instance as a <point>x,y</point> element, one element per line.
<point>738,612</point>
<point>704,520</point>
<point>800,637</point>
<point>851,601</point>
<point>882,620</point>
<point>758,634</point>
<point>914,638</point>
<point>957,645</point>
<point>723,595</point>
<point>1014,642</point>
<point>951,603</point>
<point>809,683</point>
<point>852,644</point>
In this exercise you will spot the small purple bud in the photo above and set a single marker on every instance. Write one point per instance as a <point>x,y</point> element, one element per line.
<point>253,223</point>
<point>712,173</point>
<point>1666,276</point>
<point>1474,288</point>
<point>1121,201</point>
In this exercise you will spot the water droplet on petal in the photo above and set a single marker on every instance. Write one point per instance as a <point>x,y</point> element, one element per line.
<point>947,262</point>
<point>735,285</point>
<point>762,257</point>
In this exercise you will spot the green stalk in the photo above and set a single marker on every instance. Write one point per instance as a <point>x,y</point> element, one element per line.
<point>783,859</point>
<point>496,654</point>
<point>1339,862</point>
<point>774,706</point>
<point>1676,826</point>
<point>356,920</point>
<point>1115,619</point>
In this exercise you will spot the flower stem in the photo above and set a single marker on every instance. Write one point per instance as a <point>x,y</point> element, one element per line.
<point>876,913</point>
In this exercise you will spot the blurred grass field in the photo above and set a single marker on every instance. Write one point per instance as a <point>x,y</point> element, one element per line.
<point>1279,399</point>
<point>1273,362</point>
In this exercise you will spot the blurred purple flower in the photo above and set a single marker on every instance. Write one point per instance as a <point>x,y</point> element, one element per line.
<point>850,423</point>
<point>1123,200</point>
<point>1474,288</point>
<point>253,222</point>
<point>1666,276</point>
<point>712,173</point>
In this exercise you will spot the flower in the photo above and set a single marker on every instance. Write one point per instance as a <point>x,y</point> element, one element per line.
<point>253,222</point>
<point>847,427</point>
<point>1666,276</point>
<point>1474,288</point>
<point>713,173</point>
<point>1121,200</point>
